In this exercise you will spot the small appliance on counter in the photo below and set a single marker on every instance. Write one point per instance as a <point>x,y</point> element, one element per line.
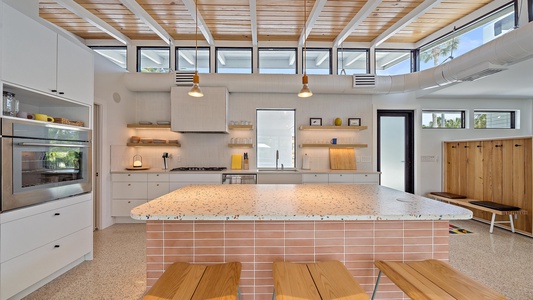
<point>165,156</point>
<point>137,163</point>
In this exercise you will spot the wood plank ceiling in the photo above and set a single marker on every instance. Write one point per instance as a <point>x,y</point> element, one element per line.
<point>395,21</point>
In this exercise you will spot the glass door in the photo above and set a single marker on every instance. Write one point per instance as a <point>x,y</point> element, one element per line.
<point>396,149</point>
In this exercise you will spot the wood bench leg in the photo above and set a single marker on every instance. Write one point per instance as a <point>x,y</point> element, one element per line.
<point>512,223</point>
<point>376,286</point>
<point>492,222</point>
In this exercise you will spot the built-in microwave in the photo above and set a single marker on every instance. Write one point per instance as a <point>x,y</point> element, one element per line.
<point>43,161</point>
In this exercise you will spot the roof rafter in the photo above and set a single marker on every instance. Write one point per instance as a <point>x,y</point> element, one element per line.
<point>406,20</point>
<point>191,7</point>
<point>359,17</point>
<point>94,20</point>
<point>313,16</point>
<point>253,21</point>
<point>138,11</point>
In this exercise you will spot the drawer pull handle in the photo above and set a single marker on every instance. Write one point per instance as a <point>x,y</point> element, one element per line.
<point>57,214</point>
<point>129,184</point>
<point>56,246</point>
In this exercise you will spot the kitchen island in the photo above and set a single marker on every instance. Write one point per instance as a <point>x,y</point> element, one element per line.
<point>259,224</point>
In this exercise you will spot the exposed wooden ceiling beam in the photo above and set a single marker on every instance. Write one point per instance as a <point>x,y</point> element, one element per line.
<point>359,17</point>
<point>94,20</point>
<point>313,16</point>
<point>191,7</point>
<point>138,11</point>
<point>253,21</point>
<point>406,20</point>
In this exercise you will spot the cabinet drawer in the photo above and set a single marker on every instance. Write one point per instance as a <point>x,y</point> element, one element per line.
<point>122,208</point>
<point>279,178</point>
<point>340,178</point>
<point>158,176</point>
<point>129,177</point>
<point>23,271</point>
<point>197,178</point>
<point>156,189</point>
<point>366,178</point>
<point>129,190</point>
<point>315,178</point>
<point>26,234</point>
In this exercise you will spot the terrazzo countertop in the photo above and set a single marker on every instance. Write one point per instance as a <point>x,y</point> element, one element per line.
<point>295,202</point>
<point>250,171</point>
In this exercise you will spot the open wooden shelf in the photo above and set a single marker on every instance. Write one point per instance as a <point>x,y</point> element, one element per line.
<point>240,127</point>
<point>151,126</point>
<point>355,128</point>
<point>241,145</point>
<point>153,145</point>
<point>333,145</point>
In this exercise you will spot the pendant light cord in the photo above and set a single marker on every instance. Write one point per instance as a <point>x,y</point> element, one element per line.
<point>305,37</point>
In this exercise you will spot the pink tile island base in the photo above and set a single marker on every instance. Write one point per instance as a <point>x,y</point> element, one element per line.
<point>256,244</point>
<point>259,224</point>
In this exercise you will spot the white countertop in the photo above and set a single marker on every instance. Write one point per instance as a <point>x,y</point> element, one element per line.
<point>295,202</point>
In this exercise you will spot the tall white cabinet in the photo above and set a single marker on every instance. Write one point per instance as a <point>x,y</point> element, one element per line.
<point>53,75</point>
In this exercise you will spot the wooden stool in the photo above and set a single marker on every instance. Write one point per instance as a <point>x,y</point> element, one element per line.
<point>322,280</point>
<point>433,279</point>
<point>183,281</point>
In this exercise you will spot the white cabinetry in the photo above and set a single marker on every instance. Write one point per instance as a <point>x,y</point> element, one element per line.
<point>180,180</point>
<point>129,190</point>
<point>39,244</point>
<point>158,185</point>
<point>38,58</point>
<point>279,178</point>
<point>370,178</point>
<point>206,114</point>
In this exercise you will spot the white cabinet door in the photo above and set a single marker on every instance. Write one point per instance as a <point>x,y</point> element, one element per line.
<point>315,178</point>
<point>366,178</point>
<point>122,207</point>
<point>340,178</point>
<point>29,51</point>
<point>156,189</point>
<point>75,75</point>
<point>277,178</point>
<point>158,177</point>
<point>197,178</point>
<point>129,190</point>
<point>129,177</point>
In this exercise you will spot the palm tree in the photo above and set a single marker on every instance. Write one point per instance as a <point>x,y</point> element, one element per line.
<point>444,49</point>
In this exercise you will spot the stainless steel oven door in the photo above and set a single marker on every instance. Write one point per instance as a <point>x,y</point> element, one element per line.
<point>39,170</point>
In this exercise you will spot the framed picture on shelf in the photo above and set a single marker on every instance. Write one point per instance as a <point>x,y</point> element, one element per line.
<point>315,121</point>
<point>354,121</point>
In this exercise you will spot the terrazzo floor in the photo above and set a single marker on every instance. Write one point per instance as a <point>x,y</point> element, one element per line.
<point>501,260</point>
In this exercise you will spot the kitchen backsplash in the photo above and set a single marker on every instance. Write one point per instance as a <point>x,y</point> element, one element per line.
<point>212,149</point>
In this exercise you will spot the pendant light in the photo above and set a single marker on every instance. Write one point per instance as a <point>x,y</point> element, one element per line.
<point>305,91</point>
<point>195,90</point>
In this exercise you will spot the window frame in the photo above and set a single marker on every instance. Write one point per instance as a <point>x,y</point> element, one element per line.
<point>94,48</point>
<point>311,49</point>
<point>259,49</point>
<point>139,50</point>
<point>512,115</point>
<point>191,48</point>
<point>412,63</point>
<point>217,49</point>
<point>294,133</point>
<point>367,52</point>
<point>462,113</point>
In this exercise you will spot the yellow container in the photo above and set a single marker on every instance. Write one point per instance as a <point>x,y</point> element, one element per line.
<point>236,162</point>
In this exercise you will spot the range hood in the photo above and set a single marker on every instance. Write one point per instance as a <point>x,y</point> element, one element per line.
<point>208,114</point>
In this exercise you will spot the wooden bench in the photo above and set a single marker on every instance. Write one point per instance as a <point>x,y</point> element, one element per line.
<point>322,280</point>
<point>184,281</point>
<point>465,202</point>
<point>433,279</point>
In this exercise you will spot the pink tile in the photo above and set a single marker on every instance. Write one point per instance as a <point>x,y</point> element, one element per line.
<point>303,234</point>
<point>329,226</point>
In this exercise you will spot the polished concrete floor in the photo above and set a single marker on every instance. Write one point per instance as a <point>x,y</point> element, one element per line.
<point>501,260</point>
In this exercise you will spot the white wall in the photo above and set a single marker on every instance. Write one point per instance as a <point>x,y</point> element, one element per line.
<point>428,175</point>
<point>115,116</point>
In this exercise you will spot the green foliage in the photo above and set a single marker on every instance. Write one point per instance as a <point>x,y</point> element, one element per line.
<point>445,49</point>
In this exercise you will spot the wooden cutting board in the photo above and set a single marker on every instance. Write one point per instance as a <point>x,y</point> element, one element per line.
<point>342,158</point>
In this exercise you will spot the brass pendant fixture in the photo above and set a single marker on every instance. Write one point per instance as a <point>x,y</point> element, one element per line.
<point>305,92</point>
<point>195,90</point>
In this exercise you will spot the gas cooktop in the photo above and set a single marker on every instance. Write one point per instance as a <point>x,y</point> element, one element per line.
<point>199,169</point>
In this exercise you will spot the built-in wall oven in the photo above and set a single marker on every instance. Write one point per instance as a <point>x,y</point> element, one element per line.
<point>42,162</point>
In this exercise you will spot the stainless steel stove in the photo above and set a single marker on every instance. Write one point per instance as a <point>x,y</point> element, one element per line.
<point>199,169</point>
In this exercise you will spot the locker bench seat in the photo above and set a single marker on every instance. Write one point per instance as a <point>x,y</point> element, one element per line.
<point>491,207</point>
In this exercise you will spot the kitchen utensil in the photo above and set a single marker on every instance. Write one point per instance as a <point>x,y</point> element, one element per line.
<point>165,156</point>
<point>137,161</point>
<point>342,159</point>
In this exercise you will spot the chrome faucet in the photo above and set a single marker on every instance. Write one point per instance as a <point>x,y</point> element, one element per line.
<point>277,158</point>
